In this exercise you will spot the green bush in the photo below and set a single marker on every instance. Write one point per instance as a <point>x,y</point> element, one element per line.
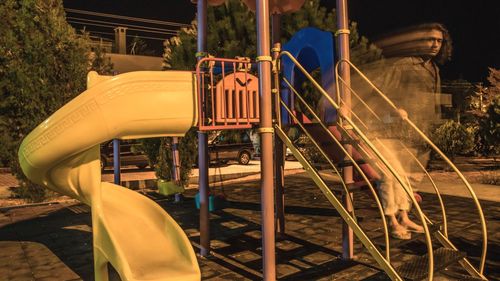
<point>488,133</point>
<point>43,65</point>
<point>453,138</point>
<point>490,178</point>
<point>159,152</point>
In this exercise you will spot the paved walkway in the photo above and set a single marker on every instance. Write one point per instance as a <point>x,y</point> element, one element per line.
<point>132,177</point>
<point>53,242</point>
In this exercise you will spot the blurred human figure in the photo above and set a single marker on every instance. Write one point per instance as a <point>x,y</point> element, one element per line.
<point>411,79</point>
<point>412,82</point>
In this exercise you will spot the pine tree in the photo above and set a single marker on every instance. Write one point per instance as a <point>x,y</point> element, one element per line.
<point>231,32</point>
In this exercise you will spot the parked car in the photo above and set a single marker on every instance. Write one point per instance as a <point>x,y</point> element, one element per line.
<point>230,145</point>
<point>129,155</point>
<point>289,155</point>
<point>300,144</point>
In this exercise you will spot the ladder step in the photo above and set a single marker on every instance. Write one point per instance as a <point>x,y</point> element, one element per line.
<point>395,243</point>
<point>453,275</point>
<point>357,186</point>
<point>349,163</point>
<point>349,141</point>
<point>417,268</point>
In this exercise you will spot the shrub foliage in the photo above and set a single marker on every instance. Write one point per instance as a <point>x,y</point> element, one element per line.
<point>43,65</point>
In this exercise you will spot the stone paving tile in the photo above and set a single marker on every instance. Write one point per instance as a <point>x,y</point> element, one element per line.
<point>58,236</point>
<point>13,262</point>
<point>7,180</point>
<point>45,265</point>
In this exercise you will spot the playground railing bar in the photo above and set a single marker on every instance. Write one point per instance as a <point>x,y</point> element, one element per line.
<point>228,94</point>
<point>469,267</point>
<point>415,159</point>
<point>357,167</point>
<point>377,153</point>
<point>365,240</point>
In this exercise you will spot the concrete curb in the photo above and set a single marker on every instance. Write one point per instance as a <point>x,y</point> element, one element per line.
<point>4,170</point>
<point>140,184</point>
<point>7,208</point>
<point>151,183</point>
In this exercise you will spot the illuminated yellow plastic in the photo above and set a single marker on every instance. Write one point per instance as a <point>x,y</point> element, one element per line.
<point>131,232</point>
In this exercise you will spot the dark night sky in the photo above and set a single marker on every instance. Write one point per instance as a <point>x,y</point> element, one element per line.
<point>473,25</point>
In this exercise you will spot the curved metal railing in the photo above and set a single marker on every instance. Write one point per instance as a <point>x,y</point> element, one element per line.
<point>377,153</point>
<point>443,156</point>
<point>413,157</point>
<point>323,153</point>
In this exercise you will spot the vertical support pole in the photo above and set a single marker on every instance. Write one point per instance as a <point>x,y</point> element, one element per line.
<point>176,165</point>
<point>279,147</point>
<point>116,161</point>
<point>266,138</point>
<point>121,48</point>
<point>203,142</point>
<point>343,37</point>
<point>176,169</point>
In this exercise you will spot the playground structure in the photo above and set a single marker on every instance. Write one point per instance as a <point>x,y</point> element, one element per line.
<point>62,153</point>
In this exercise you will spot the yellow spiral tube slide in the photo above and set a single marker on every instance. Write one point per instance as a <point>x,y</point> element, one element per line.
<point>130,231</point>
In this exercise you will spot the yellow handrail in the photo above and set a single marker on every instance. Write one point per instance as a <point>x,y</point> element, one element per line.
<point>436,189</point>
<point>386,266</point>
<point>442,155</point>
<point>377,153</point>
<point>421,166</point>
<point>358,168</point>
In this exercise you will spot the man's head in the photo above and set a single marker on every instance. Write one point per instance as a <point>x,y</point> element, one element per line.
<point>430,40</point>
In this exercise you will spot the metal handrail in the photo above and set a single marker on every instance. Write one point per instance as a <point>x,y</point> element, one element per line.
<point>421,166</point>
<point>377,153</point>
<point>442,155</point>
<point>239,122</point>
<point>436,189</point>
<point>365,240</point>
<point>320,149</point>
<point>358,168</point>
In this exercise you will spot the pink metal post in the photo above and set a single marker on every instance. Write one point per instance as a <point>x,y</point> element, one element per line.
<point>266,138</point>
<point>343,36</point>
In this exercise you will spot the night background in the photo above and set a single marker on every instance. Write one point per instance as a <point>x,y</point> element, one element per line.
<point>474,26</point>
<point>74,115</point>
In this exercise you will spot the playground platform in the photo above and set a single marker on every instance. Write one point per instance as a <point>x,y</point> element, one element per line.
<point>54,242</point>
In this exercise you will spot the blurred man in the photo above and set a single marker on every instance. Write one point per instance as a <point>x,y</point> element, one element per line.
<point>411,81</point>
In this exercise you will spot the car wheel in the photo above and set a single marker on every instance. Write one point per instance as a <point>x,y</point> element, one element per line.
<point>244,158</point>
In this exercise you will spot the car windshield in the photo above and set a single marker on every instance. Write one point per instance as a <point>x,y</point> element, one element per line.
<point>212,136</point>
<point>229,137</point>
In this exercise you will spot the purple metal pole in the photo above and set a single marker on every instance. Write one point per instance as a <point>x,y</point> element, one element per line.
<point>116,161</point>
<point>203,142</point>
<point>343,39</point>
<point>176,165</point>
<point>266,138</point>
<point>279,147</point>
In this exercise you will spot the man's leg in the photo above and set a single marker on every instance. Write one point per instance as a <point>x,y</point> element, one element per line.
<point>387,196</point>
